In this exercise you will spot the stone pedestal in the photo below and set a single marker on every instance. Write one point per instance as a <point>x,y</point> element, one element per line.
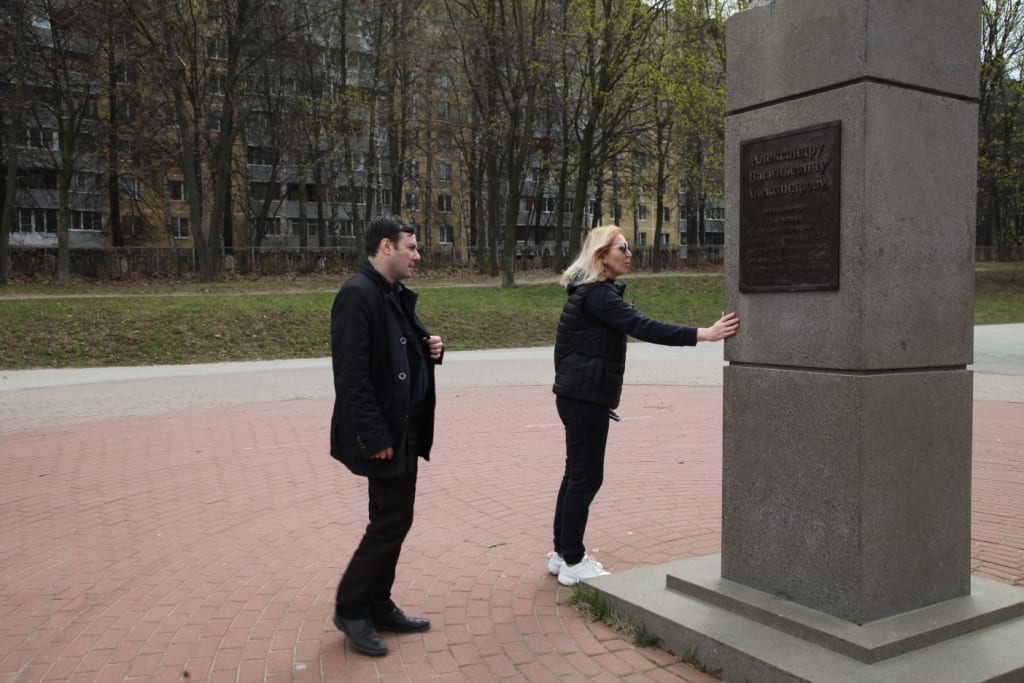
<point>847,447</point>
<point>851,154</point>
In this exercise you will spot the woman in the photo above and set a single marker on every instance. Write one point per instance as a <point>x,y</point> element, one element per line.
<point>590,359</point>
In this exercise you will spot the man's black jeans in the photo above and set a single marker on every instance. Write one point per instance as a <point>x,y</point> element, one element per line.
<point>364,591</point>
<point>586,435</point>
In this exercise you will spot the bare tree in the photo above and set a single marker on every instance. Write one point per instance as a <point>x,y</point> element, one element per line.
<point>1001,129</point>
<point>204,52</point>
<point>503,53</point>
<point>14,26</point>
<point>63,88</point>
<point>699,100</point>
<point>608,39</point>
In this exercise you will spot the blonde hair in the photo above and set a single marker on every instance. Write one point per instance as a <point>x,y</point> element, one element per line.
<point>588,266</point>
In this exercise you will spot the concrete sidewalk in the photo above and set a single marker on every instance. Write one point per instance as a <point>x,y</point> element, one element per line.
<point>33,399</point>
<point>186,523</point>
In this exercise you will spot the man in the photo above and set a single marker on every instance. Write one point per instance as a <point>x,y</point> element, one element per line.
<point>383,422</point>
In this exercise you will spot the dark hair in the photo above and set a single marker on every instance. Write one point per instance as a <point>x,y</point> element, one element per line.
<point>386,227</point>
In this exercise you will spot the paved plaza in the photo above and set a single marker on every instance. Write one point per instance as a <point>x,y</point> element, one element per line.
<point>187,523</point>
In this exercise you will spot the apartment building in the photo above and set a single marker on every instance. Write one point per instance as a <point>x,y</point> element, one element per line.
<point>316,156</point>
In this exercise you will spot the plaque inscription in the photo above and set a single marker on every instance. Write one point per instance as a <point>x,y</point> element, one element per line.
<point>789,211</point>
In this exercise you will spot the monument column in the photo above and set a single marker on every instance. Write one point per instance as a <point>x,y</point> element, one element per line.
<point>851,156</point>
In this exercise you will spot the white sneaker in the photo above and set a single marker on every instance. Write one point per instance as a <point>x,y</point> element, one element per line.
<point>555,562</point>
<point>587,568</point>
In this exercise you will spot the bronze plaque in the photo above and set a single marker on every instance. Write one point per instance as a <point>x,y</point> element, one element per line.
<point>789,211</point>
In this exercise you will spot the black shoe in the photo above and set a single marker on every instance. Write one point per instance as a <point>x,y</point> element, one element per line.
<point>361,636</point>
<point>396,620</point>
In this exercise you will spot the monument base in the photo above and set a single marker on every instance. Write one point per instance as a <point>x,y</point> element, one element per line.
<point>744,635</point>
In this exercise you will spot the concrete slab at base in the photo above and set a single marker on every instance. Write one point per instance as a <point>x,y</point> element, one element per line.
<point>741,648</point>
<point>989,603</point>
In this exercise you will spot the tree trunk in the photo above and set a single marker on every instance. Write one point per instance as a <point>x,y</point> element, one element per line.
<point>303,217</point>
<point>493,209</point>
<point>113,175</point>
<point>582,181</point>
<point>7,212</point>
<point>64,219</point>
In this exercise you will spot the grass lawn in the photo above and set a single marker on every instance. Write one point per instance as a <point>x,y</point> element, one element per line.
<point>100,324</point>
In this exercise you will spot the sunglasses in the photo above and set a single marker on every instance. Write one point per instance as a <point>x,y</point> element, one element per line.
<point>622,247</point>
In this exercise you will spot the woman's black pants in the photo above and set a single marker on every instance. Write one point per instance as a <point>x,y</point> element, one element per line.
<point>586,435</point>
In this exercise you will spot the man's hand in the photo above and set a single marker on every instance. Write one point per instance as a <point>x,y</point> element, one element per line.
<point>726,326</point>
<point>435,345</point>
<point>386,454</point>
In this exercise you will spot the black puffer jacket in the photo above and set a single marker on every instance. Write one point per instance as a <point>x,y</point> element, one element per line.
<point>590,347</point>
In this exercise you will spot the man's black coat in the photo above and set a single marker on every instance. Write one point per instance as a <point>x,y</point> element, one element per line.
<point>372,378</point>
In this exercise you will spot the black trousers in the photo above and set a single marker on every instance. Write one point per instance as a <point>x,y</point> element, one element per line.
<point>586,436</point>
<point>364,591</point>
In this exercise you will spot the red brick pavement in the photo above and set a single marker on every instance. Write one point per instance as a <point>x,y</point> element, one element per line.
<point>210,542</point>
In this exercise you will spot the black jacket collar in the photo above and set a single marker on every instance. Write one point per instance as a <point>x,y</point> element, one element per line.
<point>367,269</point>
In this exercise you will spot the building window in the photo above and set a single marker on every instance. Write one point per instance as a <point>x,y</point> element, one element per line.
<point>131,188</point>
<point>126,151</point>
<point>641,212</point>
<point>412,201</point>
<point>666,214</point>
<point>217,49</point>
<point>86,182</point>
<point>129,109</point>
<point>261,156</point>
<point>445,234</point>
<point>441,110</point>
<point>444,172</point>
<point>547,204</point>
<point>262,191</point>
<point>277,226</point>
<point>412,169</point>
<point>179,227</point>
<point>279,86</point>
<point>216,12</point>
<point>37,220</point>
<point>38,179</point>
<point>86,220</point>
<point>41,138</point>
<point>124,39</point>
<point>258,121</point>
<point>131,226</point>
<point>127,73</point>
<point>444,203</point>
<point>664,239</point>
<point>176,190</point>
<point>641,239</point>
<point>219,84</point>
